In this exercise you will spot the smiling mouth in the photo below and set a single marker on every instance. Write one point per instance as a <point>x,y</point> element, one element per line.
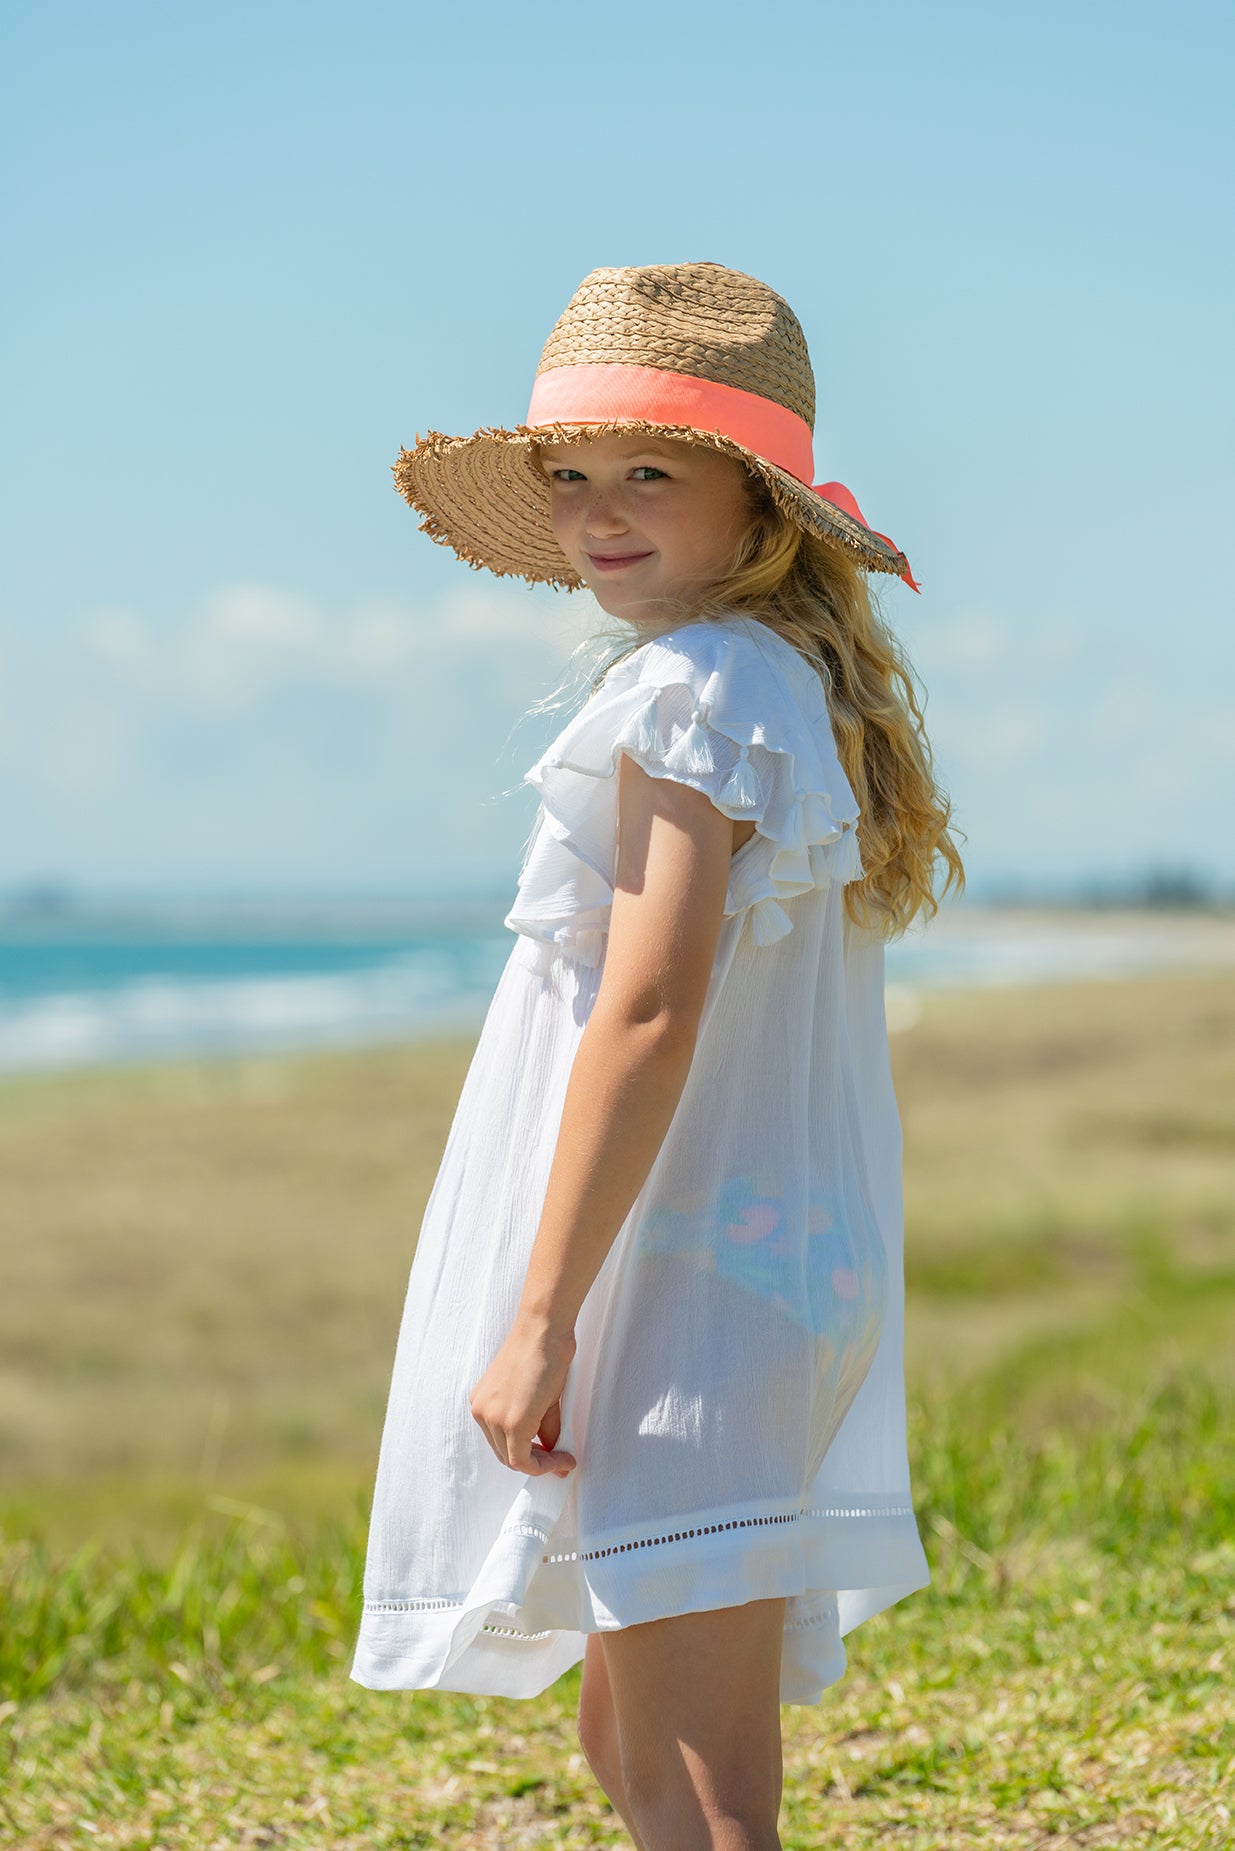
<point>609,561</point>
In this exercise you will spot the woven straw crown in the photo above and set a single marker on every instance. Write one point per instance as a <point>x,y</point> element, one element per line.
<point>486,496</point>
<point>696,319</point>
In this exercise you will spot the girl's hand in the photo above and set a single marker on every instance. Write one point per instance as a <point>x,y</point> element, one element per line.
<point>519,1397</point>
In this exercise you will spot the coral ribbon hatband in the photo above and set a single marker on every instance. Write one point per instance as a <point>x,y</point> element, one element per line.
<point>611,391</point>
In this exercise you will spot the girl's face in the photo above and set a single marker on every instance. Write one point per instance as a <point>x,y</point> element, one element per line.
<point>645,521</point>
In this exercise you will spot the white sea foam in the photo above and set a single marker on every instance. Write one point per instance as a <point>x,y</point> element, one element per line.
<point>988,947</point>
<point>153,1017</point>
<point>444,985</point>
<point>991,946</point>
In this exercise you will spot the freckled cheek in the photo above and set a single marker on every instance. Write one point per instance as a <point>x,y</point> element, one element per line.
<point>562,524</point>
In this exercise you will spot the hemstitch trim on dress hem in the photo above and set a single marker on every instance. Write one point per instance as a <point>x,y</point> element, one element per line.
<point>643,1542</point>
<point>829,1612</point>
<point>734,1523</point>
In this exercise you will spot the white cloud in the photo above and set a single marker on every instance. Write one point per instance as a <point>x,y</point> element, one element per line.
<point>1059,753</point>
<point>258,615</point>
<point>973,639</point>
<point>245,643</point>
<point>1004,736</point>
<point>117,636</point>
<point>262,735</point>
<point>1122,712</point>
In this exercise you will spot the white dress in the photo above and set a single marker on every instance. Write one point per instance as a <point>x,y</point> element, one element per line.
<point>736,1400</point>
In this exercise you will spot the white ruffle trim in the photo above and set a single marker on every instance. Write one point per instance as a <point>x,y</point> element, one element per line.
<point>684,707</point>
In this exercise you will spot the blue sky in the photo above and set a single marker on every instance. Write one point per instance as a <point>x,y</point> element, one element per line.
<point>255,248</point>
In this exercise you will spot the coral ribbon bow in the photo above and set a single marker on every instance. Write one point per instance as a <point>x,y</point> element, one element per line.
<point>841,498</point>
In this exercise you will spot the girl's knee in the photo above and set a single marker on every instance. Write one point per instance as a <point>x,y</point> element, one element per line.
<point>679,1802</point>
<point>682,1819</point>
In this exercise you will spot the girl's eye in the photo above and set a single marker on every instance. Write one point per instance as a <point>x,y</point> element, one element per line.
<point>645,472</point>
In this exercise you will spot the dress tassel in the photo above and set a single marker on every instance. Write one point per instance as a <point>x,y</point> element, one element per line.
<point>588,947</point>
<point>692,755</point>
<point>742,789</point>
<point>546,951</point>
<point>821,866</point>
<point>642,733</point>
<point>768,922</point>
<point>794,832</point>
<point>839,860</point>
<point>847,858</point>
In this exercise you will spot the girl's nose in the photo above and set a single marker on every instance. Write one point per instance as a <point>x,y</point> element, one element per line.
<point>604,515</point>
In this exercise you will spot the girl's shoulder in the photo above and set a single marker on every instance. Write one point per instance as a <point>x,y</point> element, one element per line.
<point>717,644</point>
<point>735,666</point>
<point>734,711</point>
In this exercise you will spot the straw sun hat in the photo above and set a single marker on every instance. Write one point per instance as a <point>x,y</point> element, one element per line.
<point>688,351</point>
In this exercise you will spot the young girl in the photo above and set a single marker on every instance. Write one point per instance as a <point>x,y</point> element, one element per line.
<point>647,1406</point>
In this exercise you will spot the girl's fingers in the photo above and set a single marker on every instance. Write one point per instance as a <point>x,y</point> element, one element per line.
<point>561,1463</point>
<point>524,1456</point>
<point>506,1447</point>
<point>550,1427</point>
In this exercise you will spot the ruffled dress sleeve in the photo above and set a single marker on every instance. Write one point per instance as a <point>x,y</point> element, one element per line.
<point>729,708</point>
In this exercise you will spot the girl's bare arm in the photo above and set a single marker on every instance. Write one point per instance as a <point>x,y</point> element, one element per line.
<point>674,849</point>
<point>634,1055</point>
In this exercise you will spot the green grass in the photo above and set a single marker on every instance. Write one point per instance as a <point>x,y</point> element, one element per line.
<point>203,1273</point>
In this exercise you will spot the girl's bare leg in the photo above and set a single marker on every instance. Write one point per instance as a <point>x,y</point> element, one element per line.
<point>598,1735</point>
<point>696,1700</point>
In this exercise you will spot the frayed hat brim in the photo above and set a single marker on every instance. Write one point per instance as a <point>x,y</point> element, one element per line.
<point>486,498</point>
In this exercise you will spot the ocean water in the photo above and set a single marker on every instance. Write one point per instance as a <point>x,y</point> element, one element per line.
<point>86,989</point>
<point>100,990</point>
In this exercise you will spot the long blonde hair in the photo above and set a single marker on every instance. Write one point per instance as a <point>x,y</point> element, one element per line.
<point>810,592</point>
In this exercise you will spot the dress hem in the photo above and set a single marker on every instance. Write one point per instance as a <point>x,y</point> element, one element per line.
<point>519,1630</point>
